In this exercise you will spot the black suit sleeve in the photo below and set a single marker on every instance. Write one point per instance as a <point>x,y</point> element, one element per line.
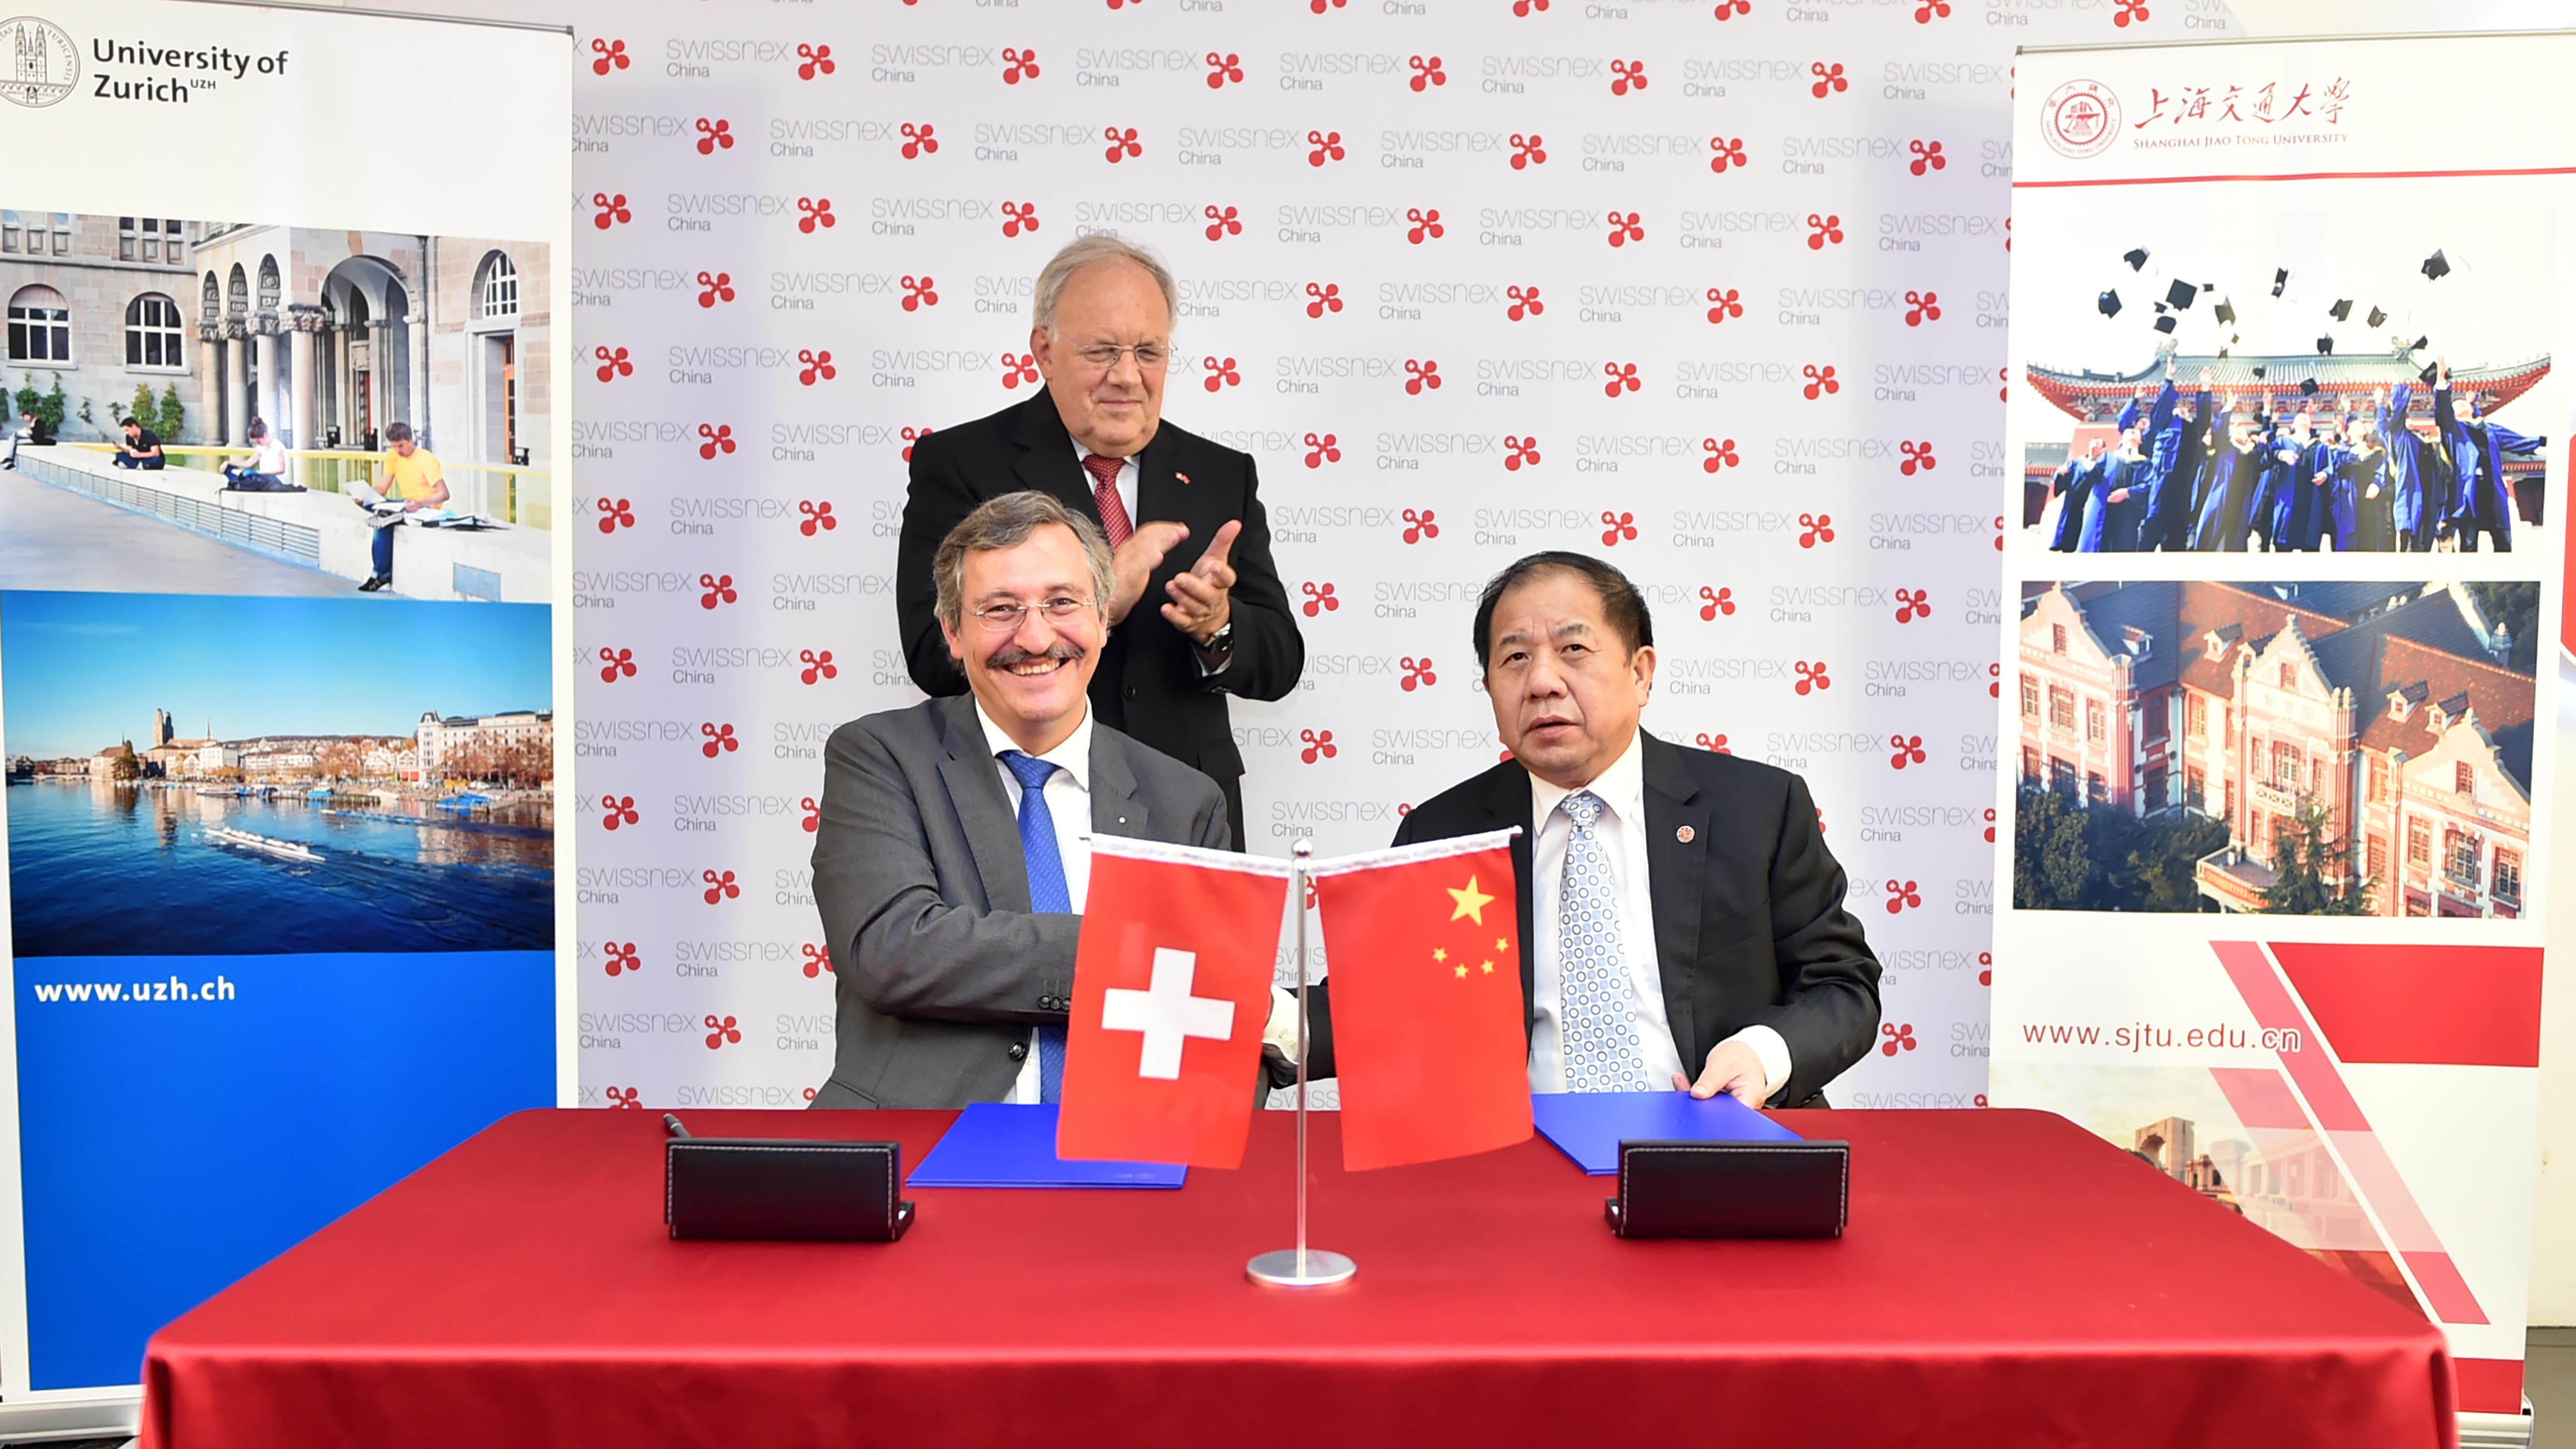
<point>1268,653</point>
<point>1828,1013</point>
<point>938,500</point>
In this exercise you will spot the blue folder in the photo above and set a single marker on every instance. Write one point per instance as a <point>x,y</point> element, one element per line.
<point>1002,1144</point>
<point>1589,1126</point>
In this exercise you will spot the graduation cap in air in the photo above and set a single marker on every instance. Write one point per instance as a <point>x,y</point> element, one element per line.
<point>2341,311</point>
<point>2280,279</point>
<point>2431,371</point>
<point>2377,317</point>
<point>2108,304</point>
<point>2307,387</point>
<point>2258,374</point>
<point>2165,323</point>
<point>2436,267</point>
<point>2419,344</point>
<point>2179,295</point>
<point>2136,257</point>
<point>2325,346</point>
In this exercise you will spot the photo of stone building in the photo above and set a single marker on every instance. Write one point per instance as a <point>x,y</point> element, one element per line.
<point>326,334</point>
<point>2368,743</point>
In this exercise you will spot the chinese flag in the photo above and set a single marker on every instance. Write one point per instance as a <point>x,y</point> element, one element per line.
<point>1428,1026</point>
<point>1171,989</point>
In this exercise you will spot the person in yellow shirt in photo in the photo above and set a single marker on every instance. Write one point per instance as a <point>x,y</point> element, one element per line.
<point>412,478</point>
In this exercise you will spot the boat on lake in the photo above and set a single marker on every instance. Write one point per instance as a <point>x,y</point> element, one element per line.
<point>266,844</point>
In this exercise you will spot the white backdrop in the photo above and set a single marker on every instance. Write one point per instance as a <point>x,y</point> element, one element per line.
<point>1791,465</point>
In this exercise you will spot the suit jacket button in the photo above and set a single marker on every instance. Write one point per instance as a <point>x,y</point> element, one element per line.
<point>1019,1051</point>
<point>1131,691</point>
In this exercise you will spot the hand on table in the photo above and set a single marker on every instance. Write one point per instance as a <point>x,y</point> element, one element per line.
<point>1733,1069</point>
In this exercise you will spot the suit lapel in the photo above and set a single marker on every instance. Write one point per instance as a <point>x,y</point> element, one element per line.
<point>1159,492</point>
<point>1507,806</point>
<point>983,811</point>
<point>1116,809</point>
<point>1676,874</point>
<point>1047,461</point>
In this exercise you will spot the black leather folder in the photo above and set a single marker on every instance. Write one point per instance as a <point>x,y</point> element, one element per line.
<point>762,1188</point>
<point>1731,1190</point>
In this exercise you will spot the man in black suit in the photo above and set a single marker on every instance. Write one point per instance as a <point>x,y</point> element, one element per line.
<point>1095,439</point>
<point>1681,919</point>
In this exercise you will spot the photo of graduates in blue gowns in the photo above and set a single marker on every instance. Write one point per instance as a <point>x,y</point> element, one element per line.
<point>2216,380</point>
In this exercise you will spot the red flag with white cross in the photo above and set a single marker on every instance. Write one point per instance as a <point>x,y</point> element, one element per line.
<point>1171,990</point>
<point>1429,1030</point>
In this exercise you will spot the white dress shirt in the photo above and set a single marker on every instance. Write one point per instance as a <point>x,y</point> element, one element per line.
<point>1621,828</point>
<point>1068,802</point>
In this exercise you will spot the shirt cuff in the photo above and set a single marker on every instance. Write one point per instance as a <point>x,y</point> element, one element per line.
<point>1281,1031</point>
<point>1212,662</point>
<point>1769,1048</point>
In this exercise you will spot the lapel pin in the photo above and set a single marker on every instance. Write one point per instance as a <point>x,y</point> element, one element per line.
<point>1685,835</point>
<point>1184,477</point>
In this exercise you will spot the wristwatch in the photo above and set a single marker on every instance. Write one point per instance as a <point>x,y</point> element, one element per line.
<point>1220,641</point>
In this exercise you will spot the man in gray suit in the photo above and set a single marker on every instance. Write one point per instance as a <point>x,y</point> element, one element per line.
<point>950,924</point>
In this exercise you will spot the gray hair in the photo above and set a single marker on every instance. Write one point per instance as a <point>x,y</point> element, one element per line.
<point>1007,522</point>
<point>1100,246</point>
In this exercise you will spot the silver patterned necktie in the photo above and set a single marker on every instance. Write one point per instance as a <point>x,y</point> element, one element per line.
<point>1602,1050</point>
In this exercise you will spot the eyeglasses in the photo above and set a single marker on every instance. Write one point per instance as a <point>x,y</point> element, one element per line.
<point>1103,356</point>
<point>1005,618</point>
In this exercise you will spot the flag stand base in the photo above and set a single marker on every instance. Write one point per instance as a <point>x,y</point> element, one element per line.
<point>1300,1266</point>
<point>1291,1268</point>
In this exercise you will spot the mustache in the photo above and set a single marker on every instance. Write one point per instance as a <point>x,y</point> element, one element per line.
<point>1012,655</point>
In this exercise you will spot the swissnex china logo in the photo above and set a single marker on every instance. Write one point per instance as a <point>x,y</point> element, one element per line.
<point>45,66</point>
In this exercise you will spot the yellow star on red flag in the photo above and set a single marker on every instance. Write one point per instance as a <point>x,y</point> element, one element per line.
<point>1471,902</point>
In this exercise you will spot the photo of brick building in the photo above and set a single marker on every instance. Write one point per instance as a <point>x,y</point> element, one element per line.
<point>2378,732</point>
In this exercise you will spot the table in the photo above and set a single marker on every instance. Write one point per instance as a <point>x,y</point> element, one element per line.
<point>2007,1279</point>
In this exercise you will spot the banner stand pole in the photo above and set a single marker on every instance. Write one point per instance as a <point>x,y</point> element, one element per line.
<point>1301,1266</point>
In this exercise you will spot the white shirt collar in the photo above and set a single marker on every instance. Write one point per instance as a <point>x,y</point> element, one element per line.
<point>1073,756</point>
<point>1622,787</point>
<point>1125,463</point>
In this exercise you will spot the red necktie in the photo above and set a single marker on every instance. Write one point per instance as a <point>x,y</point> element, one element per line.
<point>1104,491</point>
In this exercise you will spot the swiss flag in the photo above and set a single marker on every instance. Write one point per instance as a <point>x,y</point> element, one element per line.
<point>1428,1025</point>
<point>1171,990</point>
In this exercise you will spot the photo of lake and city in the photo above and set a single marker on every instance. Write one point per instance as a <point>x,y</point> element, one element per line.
<point>254,775</point>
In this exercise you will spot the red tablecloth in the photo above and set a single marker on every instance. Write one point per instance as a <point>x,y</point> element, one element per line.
<point>2007,1279</point>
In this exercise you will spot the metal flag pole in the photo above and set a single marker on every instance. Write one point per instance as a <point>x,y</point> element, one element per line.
<point>1301,1266</point>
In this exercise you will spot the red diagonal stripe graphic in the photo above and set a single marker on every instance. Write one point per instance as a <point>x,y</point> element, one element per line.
<point>2374,1173</point>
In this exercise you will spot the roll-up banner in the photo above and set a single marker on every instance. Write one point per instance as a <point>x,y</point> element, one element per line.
<point>280,650</point>
<point>2286,561</point>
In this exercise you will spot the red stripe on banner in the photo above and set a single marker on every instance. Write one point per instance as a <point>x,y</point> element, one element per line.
<point>2470,1006</point>
<point>2260,1098</point>
<point>2296,176</point>
<point>2374,1173</point>
<point>2275,1010</point>
<point>2449,1292</point>
<point>2489,1385</point>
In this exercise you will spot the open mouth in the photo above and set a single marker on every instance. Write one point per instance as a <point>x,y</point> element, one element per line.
<point>1034,666</point>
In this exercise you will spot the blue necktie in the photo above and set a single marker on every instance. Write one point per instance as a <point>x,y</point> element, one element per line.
<point>1047,890</point>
